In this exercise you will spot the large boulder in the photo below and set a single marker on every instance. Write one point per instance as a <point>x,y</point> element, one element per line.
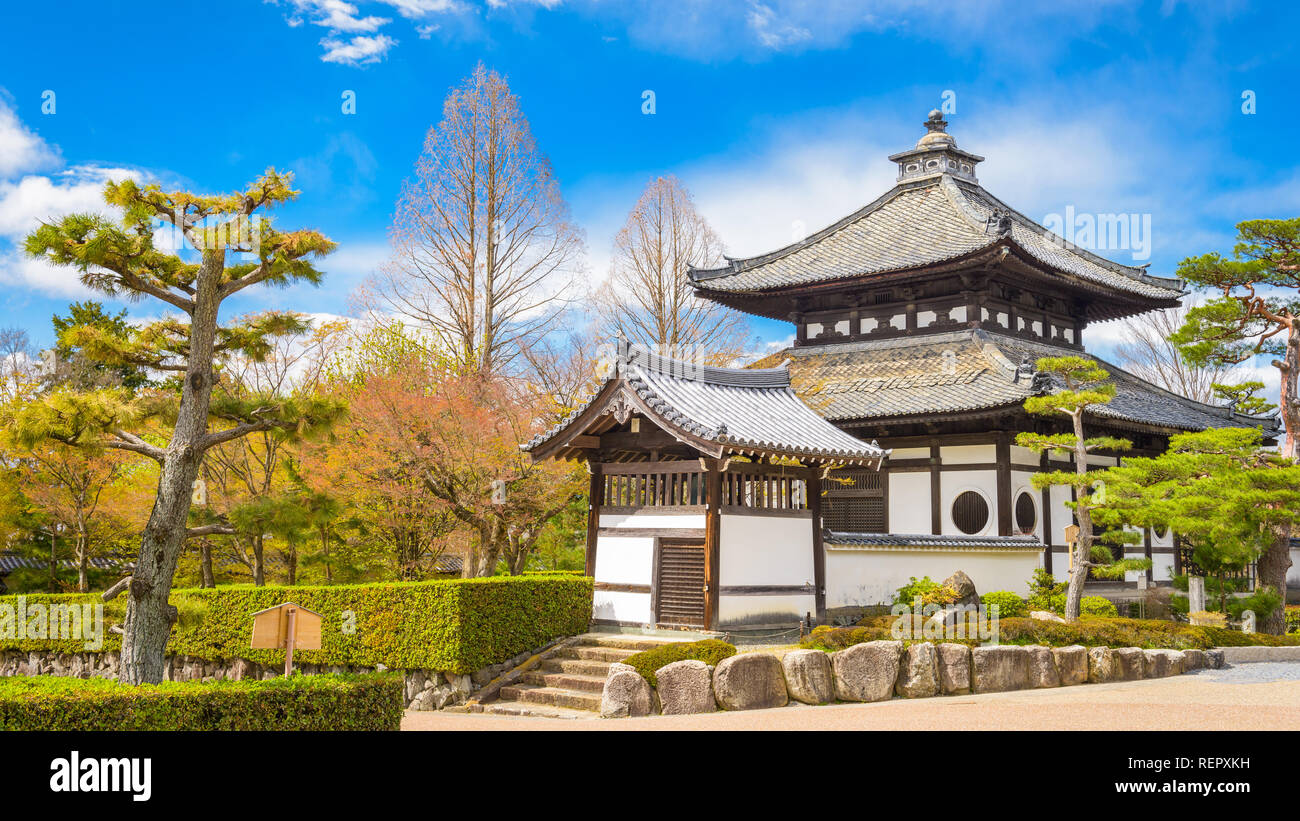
<point>866,672</point>
<point>954,668</point>
<point>1071,664</point>
<point>1193,659</point>
<point>1162,663</point>
<point>1130,664</point>
<point>685,688</point>
<point>966,593</point>
<point>1042,667</point>
<point>626,694</point>
<point>1215,660</point>
<point>1101,664</point>
<point>808,676</point>
<point>996,669</point>
<point>1043,615</point>
<point>918,674</point>
<point>749,681</point>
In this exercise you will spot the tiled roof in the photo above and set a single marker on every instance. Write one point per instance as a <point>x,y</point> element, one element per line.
<point>909,540</point>
<point>10,562</point>
<point>969,370</point>
<point>738,409</point>
<point>918,223</point>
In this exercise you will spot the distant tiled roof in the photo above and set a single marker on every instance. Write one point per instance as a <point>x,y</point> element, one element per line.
<point>918,223</point>
<point>969,370</point>
<point>10,562</point>
<point>734,409</point>
<point>449,563</point>
<point>907,540</point>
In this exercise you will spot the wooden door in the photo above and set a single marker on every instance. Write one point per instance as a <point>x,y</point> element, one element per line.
<point>679,588</point>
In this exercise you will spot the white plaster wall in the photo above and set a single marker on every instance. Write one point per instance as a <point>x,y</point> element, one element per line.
<point>624,559</point>
<point>968,454</point>
<point>1024,456</point>
<point>764,550</point>
<point>1162,566</point>
<point>625,607</point>
<point>651,520</point>
<point>866,577</point>
<point>909,502</point>
<point>909,453</point>
<point>737,610</point>
<point>1293,572</point>
<point>952,484</point>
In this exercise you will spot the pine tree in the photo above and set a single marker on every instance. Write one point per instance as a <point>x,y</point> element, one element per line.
<point>1084,384</point>
<point>120,258</point>
<point>1218,489</point>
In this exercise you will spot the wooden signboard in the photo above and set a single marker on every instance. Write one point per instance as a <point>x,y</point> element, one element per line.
<point>1072,539</point>
<point>286,627</point>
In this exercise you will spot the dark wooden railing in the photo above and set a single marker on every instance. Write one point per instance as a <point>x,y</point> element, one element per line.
<point>682,484</point>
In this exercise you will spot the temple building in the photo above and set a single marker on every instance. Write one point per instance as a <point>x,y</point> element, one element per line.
<point>918,320</point>
<point>881,445</point>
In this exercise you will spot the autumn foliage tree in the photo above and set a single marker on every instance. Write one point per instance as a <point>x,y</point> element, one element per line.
<point>460,434</point>
<point>120,258</point>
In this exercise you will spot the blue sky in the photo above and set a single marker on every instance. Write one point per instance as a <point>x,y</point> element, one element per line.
<point>772,113</point>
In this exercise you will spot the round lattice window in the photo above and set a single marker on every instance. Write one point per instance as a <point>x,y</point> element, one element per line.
<point>1026,513</point>
<point>970,512</point>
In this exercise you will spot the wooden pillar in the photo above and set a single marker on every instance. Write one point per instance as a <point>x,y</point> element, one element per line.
<point>1146,543</point>
<point>1047,515</point>
<point>595,498</point>
<point>814,480</point>
<point>936,496</point>
<point>712,542</point>
<point>1003,450</point>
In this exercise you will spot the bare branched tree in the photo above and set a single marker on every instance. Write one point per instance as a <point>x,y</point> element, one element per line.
<point>1148,353</point>
<point>485,253</point>
<point>648,298</point>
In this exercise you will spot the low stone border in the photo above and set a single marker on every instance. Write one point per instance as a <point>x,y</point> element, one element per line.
<point>880,670</point>
<point>1242,655</point>
<point>423,690</point>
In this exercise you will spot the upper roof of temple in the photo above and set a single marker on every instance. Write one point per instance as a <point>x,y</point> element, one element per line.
<point>936,215</point>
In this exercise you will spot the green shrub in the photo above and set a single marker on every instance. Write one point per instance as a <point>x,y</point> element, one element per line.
<point>456,625</point>
<point>1090,631</point>
<point>1292,617</point>
<point>337,702</point>
<point>930,592</point>
<point>1010,605</point>
<point>709,651</point>
<point>1046,593</point>
<point>1097,606</point>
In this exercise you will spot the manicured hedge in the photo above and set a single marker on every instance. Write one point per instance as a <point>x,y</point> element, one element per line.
<point>709,651</point>
<point>456,625</point>
<point>341,702</point>
<point>1090,631</point>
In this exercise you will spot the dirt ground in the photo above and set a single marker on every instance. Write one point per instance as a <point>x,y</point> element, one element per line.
<point>1245,697</point>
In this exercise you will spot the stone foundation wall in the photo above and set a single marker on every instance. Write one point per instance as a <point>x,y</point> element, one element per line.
<point>880,670</point>
<point>425,689</point>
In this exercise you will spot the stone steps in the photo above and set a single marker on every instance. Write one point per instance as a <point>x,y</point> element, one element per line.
<point>569,681</point>
<point>577,667</point>
<point>552,697</point>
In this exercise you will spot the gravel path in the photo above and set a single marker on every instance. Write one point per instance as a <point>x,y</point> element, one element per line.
<point>1259,696</point>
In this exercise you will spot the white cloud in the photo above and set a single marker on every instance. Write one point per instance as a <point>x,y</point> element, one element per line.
<point>359,51</point>
<point>341,16</point>
<point>21,150</point>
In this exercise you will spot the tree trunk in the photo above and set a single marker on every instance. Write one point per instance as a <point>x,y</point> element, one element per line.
<point>259,562</point>
<point>1083,549</point>
<point>149,617</point>
<point>54,562</point>
<point>291,561</point>
<point>1289,368</point>
<point>205,564</point>
<point>83,557</point>
<point>1271,570</point>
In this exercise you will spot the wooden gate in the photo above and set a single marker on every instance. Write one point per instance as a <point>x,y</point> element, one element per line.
<point>679,597</point>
